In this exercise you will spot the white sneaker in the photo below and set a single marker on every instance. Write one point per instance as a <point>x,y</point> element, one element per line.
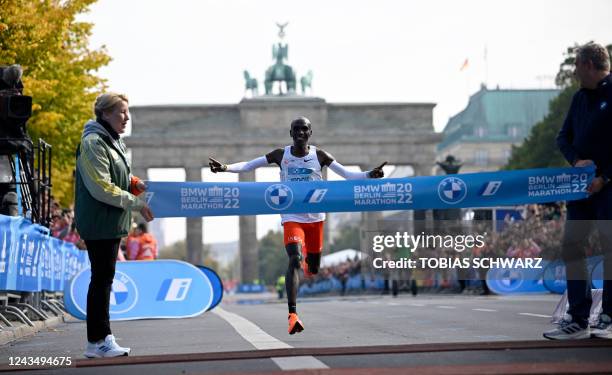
<point>105,348</point>
<point>603,328</point>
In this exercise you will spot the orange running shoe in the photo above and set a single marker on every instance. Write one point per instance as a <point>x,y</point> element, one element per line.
<point>295,324</point>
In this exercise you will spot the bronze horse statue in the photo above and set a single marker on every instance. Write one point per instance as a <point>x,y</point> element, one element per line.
<point>306,82</point>
<point>250,84</point>
<point>280,72</point>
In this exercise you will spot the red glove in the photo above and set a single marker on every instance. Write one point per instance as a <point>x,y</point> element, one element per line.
<point>133,186</point>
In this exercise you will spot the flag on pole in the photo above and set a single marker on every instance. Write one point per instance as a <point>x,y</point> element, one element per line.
<point>464,65</point>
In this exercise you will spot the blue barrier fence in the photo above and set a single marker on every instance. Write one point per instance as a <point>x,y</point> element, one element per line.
<point>32,261</point>
<point>251,288</point>
<point>550,278</point>
<point>353,283</point>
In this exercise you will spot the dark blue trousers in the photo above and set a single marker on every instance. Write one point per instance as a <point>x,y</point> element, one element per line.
<point>583,216</point>
<point>103,258</point>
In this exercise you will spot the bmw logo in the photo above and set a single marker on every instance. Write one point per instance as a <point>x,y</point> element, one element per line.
<point>452,190</point>
<point>124,294</point>
<point>511,280</point>
<point>278,196</point>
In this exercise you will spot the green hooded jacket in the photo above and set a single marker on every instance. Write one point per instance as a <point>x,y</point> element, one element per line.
<point>103,203</point>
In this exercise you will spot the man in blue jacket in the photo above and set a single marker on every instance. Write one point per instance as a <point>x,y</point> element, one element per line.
<point>585,139</point>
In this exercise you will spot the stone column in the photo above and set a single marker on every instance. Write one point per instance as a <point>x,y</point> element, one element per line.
<point>249,254</point>
<point>422,170</point>
<point>195,234</point>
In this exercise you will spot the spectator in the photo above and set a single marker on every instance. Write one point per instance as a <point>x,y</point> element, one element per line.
<point>148,245</point>
<point>132,243</point>
<point>584,141</point>
<point>105,195</point>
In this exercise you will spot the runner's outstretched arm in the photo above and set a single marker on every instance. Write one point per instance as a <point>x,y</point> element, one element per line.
<point>245,166</point>
<point>326,159</point>
<point>349,175</point>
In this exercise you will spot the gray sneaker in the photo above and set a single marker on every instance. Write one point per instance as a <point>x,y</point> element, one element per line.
<point>568,330</point>
<point>603,328</point>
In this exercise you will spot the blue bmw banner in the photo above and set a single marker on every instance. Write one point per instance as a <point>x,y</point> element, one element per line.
<point>147,290</point>
<point>506,188</point>
<point>516,280</point>
<point>216,283</point>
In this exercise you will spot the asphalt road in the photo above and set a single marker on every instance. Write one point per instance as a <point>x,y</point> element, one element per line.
<point>358,332</point>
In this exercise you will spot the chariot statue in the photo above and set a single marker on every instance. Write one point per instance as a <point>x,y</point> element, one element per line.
<point>280,72</point>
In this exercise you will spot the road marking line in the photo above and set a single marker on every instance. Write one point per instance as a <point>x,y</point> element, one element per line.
<point>485,310</point>
<point>261,340</point>
<point>446,307</point>
<point>299,363</point>
<point>417,304</point>
<point>251,332</point>
<point>536,315</point>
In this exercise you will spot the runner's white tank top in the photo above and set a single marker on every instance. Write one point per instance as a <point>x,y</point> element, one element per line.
<point>295,169</point>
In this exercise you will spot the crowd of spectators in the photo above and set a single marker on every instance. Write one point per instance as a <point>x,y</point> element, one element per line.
<point>63,225</point>
<point>537,233</point>
<point>341,272</point>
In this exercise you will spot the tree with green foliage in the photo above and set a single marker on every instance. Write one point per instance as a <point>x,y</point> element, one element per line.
<point>45,38</point>
<point>539,149</point>
<point>348,238</point>
<point>272,257</point>
<point>178,250</point>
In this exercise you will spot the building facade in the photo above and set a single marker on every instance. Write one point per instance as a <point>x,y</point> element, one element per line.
<point>482,135</point>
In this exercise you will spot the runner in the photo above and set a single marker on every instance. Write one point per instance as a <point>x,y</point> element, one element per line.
<point>303,233</point>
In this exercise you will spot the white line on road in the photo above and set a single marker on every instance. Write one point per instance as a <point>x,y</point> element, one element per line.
<point>417,304</point>
<point>446,307</point>
<point>299,363</point>
<point>250,332</point>
<point>261,340</point>
<point>536,315</point>
<point>485,310</point>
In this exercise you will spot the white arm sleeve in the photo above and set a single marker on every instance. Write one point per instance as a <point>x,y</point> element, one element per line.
<point>246,166</point>
<point>342,171</point>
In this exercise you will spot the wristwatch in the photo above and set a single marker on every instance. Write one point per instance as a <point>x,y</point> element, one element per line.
<point>605,179</point>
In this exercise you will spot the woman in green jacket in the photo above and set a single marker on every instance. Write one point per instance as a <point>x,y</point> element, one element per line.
<point>105,194</point>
